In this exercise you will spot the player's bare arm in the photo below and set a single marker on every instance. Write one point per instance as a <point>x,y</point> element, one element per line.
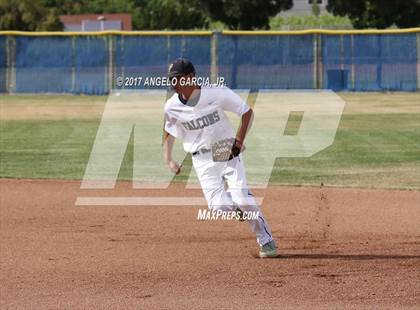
<point>245,126</point>
<point>168,144</point>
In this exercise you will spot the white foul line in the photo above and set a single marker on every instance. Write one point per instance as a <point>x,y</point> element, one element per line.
<point>145,201</point>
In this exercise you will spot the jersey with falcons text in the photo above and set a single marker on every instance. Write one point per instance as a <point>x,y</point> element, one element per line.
<point>204,123</point>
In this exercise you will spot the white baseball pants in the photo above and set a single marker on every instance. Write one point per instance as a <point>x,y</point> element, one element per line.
<point>213,177</point>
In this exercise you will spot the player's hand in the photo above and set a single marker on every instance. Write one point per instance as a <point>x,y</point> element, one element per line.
<point>239,144</point>
<point>174,166</point>
<point>237,148</point>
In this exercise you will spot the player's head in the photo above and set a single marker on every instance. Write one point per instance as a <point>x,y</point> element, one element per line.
<point>180,73</point>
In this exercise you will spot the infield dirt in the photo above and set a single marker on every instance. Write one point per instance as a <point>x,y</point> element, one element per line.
<point>339,248</point>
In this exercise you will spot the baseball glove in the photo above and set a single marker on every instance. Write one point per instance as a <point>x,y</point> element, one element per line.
<point>225,150</point>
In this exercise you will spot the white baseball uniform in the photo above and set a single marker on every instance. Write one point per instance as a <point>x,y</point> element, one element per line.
<point>201,124</point>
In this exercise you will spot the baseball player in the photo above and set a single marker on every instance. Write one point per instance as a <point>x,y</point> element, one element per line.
<point>196,115</point>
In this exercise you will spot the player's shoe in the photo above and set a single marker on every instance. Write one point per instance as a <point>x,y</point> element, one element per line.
<point>268,250</point>
<point>240,214</point>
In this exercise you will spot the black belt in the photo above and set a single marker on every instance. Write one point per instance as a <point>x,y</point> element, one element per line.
<point>201,151</point>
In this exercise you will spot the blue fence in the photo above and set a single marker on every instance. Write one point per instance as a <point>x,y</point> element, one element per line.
<point>269,62</point>
<point>89,64</point>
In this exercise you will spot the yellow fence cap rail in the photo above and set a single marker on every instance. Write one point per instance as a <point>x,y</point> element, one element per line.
<point>208,33</point>
<point>104,33</point>
<point>320,31</point>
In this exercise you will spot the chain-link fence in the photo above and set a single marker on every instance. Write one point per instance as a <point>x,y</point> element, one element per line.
<point>89,63</point>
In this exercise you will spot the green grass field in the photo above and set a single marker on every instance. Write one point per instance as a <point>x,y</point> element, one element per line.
<point>377,144</point>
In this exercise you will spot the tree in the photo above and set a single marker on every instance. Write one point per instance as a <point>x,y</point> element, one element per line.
<point>66,6</point>
<point>378,13</point>
<point>245,14</point>
<point>315,9</point>
<point>29,15</point>
<point>172,14</point>
<point>309,21</point>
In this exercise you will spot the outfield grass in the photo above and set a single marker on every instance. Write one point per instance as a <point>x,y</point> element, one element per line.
<point>377,144</point>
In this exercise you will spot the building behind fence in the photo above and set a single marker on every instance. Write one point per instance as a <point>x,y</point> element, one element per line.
<point>89,63</point>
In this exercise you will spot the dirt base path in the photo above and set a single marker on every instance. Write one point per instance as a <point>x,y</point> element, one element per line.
<point>340,248</point>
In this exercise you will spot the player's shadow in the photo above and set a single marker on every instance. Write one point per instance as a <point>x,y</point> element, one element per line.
<point>346,256</point>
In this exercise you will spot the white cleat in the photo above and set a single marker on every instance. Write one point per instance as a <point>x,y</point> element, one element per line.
<point>268,250</point>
